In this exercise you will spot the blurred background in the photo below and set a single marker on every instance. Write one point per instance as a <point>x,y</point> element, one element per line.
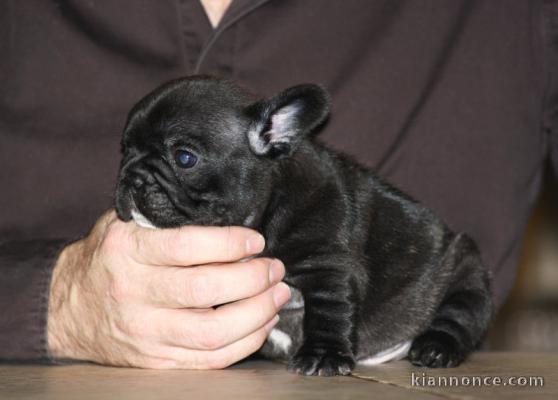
<point>529,319</point>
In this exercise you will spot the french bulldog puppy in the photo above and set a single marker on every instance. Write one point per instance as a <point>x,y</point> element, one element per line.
<point>375,274</point>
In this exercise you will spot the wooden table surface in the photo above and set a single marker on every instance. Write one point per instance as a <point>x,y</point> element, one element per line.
<point>265,380</point>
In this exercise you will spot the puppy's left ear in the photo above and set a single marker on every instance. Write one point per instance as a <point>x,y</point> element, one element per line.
<point>279,124</point>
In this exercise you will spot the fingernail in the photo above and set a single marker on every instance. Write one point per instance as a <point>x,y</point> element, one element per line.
<point>255,244</point>
<point>281,294</point>
<point>276,271</point>
<point>269,326</point>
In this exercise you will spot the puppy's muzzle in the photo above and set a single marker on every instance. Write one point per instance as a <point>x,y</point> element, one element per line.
<point>144,174</point>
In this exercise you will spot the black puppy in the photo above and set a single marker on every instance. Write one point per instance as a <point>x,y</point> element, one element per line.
<point>376,275</point>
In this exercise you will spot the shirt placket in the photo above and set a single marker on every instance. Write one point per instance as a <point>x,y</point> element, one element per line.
<point>213,49</point>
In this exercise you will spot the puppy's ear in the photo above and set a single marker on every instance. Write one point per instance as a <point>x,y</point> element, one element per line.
<point>279,124</point>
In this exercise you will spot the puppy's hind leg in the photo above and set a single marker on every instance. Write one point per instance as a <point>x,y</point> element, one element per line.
<point>464,314</point>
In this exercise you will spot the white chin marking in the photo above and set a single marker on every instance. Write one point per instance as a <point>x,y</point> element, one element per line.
<point>394,353</point>
<point>280,340</point>
<point>140,219</point>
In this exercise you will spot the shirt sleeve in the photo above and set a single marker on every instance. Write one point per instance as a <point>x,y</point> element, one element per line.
<point>25,274</point>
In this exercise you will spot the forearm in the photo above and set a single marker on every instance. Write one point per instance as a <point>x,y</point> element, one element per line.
<point>329,291</point>
<point>25,275</point>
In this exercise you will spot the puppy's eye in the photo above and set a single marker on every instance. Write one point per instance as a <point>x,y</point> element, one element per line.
<point>185,159</point>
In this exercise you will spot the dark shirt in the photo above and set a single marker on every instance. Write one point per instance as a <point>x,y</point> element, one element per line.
<point>454,102</point>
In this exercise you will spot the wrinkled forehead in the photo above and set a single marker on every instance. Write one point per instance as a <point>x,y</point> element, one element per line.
<point>204,127</point>
<point>202,119</point>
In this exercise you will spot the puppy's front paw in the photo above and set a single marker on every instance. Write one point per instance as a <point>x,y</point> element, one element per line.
<point>322,363</point>
<point>436,349</point>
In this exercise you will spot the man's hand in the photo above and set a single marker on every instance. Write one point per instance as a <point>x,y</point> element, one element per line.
<point>131,296</point>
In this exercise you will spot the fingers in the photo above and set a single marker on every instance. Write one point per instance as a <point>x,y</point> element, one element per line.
<point>230,354</point>
<point>214,329</point>
<point>236,351</point>
<point>181,358</point>
<point>183,321</point>
<point>209,285</point>
<point>193,245</point>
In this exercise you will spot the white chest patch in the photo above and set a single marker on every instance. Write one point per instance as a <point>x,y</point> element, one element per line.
<point>280,340</point>
<point>397,352</point>
<point>140,219</point>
